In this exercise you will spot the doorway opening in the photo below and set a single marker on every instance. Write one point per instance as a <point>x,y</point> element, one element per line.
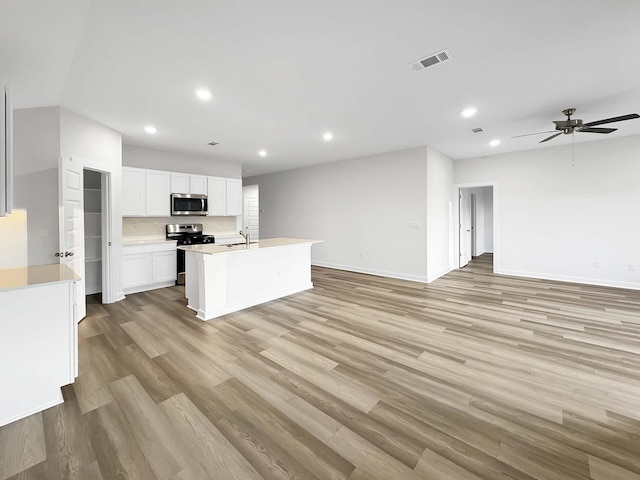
<point>97,233</point>
<point>92,232</point>
<point>477,224</point>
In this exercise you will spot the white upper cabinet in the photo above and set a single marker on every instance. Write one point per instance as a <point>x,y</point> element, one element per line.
<point>185,183</point>
<point>133,192</point>
<point>217,195</point>
<point>158,193</point>
<point>234,197</point>
<point>180,183</point>
<point>225,197</point>
<point>147,193</point>
<point>198,184</point>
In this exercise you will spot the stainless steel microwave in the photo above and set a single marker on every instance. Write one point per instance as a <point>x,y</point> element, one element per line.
<point>189,204</point>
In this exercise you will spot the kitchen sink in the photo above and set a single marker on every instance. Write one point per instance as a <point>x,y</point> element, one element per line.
<point>240,243</point>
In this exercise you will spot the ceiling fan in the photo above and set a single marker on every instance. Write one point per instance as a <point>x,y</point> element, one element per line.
<point>571,125</point>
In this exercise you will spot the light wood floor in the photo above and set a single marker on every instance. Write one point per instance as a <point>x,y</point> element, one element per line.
<point>475,376</point>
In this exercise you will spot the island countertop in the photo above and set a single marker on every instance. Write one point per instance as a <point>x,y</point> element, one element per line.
<point>222,249</point>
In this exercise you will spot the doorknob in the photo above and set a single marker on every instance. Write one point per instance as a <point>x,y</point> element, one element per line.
<point>68,254</point>
<point>59,254</point>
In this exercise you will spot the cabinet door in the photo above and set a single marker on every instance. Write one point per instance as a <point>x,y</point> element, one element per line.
<point>164,266</point>
<point>158,193</point>
<point>217,194</point>
<point>133,192</point>
<point>234,197</point>
<point>137,270</point>
<point>198,184</point>
<point>180,183</point>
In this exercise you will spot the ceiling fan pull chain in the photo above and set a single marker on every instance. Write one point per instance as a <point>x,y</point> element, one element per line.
<point>573,149</point>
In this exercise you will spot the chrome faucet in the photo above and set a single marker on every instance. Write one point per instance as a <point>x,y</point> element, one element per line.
<point>245,235</point>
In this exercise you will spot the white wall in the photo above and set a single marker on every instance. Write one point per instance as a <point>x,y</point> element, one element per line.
<point>41,137</point>
<point>13,240</point>
<point>362,206</point>
<point>36,139</point>
<point>488,219</point>
<point>143,157</point>
<point>557,219</point>
<point>440,204</point>
<point>99,147</point>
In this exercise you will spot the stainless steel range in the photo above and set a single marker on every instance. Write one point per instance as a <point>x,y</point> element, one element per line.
<point>186,234</point>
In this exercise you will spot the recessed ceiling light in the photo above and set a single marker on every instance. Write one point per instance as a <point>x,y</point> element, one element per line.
<point>469,112</point>
<point>151,130</point>
<point>494,143</point>
<point>328,136</point>
<point>262,153</point>
<point>203,94</point>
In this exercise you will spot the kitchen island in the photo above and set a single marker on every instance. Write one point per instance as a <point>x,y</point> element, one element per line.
<point>221,279</point>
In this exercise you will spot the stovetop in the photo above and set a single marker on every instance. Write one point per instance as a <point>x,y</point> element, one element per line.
<point>195,239</point>
<point>188,234</point>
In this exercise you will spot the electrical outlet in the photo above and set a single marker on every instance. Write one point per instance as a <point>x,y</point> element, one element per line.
<point>361,255</point>
<point>596,264</point>
<point>632,267</point>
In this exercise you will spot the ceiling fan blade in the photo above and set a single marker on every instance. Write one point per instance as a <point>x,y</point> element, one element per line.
<point>631,116</point>
<point>597,130</point>
<point>529,134</point>
<point>551,137</point>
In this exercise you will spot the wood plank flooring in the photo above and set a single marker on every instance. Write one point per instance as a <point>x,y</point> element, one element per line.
<point>475,376</point>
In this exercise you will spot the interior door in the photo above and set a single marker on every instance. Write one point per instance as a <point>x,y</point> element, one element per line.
<point>465,227</point>
<point>251,213</point>
<point>71,224</point>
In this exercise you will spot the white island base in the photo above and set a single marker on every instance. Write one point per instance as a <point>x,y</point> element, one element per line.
<point>222,280</point>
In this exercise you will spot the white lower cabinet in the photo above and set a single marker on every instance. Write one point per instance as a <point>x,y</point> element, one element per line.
<point>164,266</point>
<point>38,341</point>
<point>146,266</point>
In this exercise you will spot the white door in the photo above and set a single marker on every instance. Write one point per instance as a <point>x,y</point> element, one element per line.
<point>251,213</point>
<point>465,227</point>
<point>71,224</point>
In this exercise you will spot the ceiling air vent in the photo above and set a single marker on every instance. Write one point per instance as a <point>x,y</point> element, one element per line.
<point>477,130</point>
<point>433,59</point>
<point>213,144</point>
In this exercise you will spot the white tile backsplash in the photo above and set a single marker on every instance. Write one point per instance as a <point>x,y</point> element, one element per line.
<point>154,227</point>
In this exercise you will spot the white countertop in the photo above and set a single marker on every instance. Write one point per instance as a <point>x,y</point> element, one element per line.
<point>143,241</point>
<point>217,249</point>
<point>14,278</point>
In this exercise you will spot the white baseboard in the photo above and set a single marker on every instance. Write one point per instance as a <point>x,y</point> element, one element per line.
<point>442,273</point>
<point>146,288</point>
<point>379,273</point>
<point>568,278</point>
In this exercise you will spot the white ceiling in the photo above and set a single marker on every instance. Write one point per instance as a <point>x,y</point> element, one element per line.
<point>284,71</point>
